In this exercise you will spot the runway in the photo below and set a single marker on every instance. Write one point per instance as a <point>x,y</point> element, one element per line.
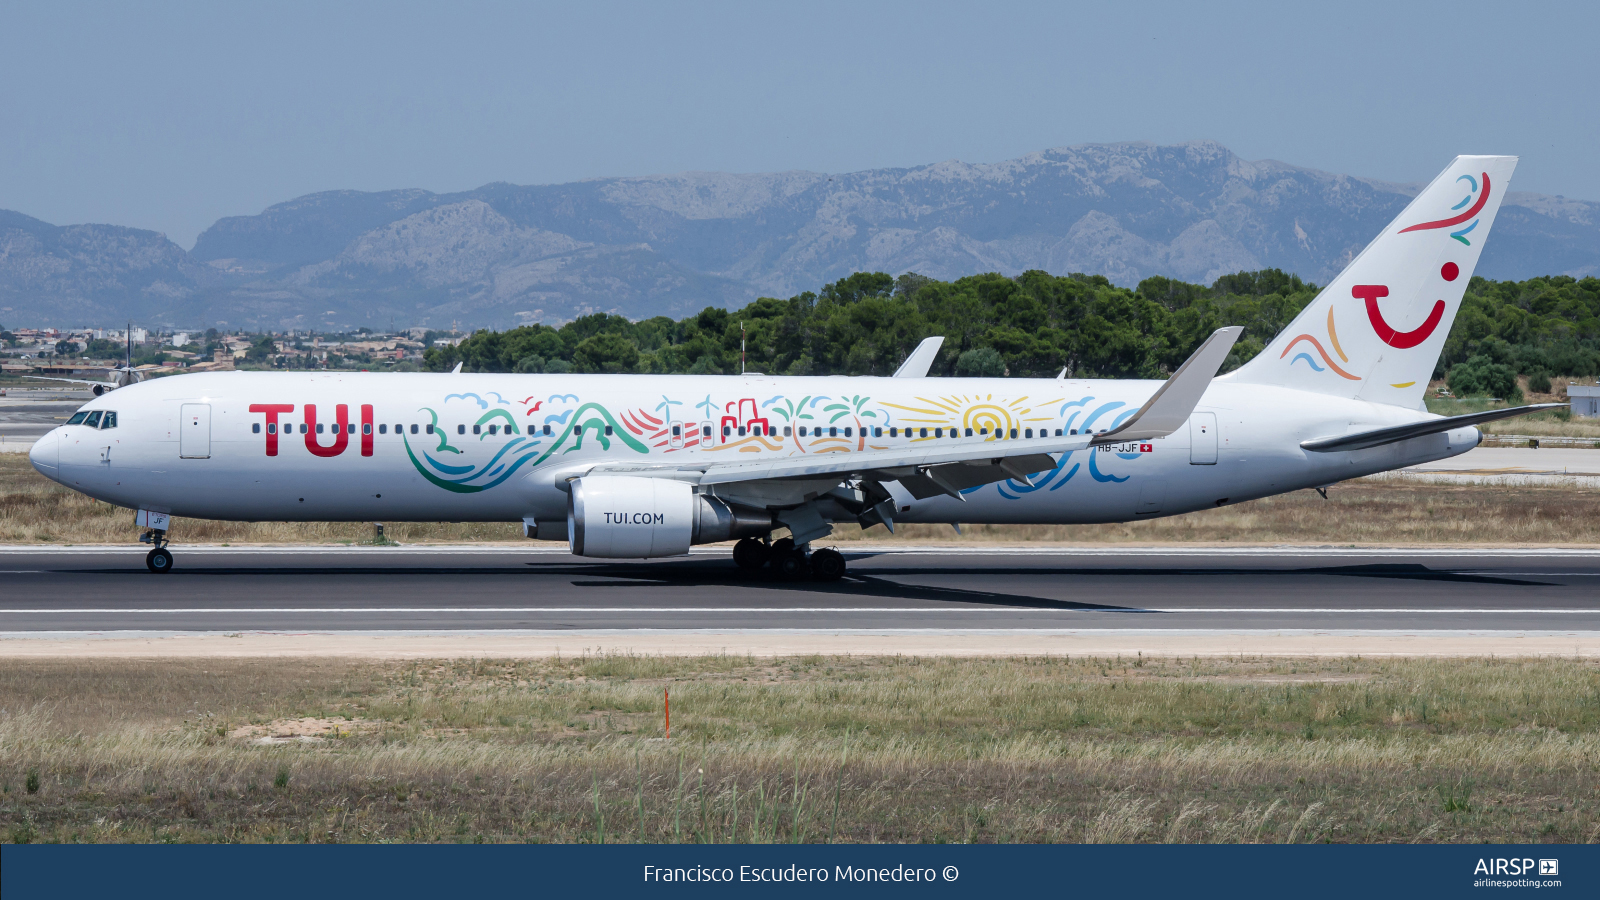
<point>62,592</point>
<point>28,413</point>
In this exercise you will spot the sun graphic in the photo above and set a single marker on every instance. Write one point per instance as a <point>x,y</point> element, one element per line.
<point>973,415</point>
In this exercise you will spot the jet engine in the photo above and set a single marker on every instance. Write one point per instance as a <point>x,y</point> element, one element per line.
<point>629,517</point>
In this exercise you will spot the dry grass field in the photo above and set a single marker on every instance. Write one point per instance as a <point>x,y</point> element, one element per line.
<point>34,509</point>
<point>807,749</point>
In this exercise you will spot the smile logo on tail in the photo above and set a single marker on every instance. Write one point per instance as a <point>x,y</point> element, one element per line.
<point>1461,235</point>
<point>1402,340</point>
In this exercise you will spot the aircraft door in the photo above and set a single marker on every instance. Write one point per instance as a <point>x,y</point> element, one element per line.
<point>194,434</point>
<point>1203,439</point>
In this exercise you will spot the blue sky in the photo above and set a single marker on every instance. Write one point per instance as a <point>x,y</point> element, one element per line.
<point>169,116</point>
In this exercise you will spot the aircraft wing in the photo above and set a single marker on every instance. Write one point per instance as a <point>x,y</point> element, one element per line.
<point>100,383</point>
<point>916,365</point>
<point>930,467</point>
<point>1378,437</point>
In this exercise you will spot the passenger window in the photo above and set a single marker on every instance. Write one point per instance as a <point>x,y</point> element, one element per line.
<point>833,432</point>
<point>938,432</point>
<point>511,429</point>
<point>303,428</point>
<point>847,432</point>
<point>983,430</point>
<point>1058,432</point>
<point>94,419</point>
<point>366,427</point>
<point>255,427</point>
<point>493,428</point>
<point>1029,433</point>
<point>350,428</point>
<point>477,429</point>
<point>704,431</point>
<point>924,432</point>
<point>608,431</point>
<point>414,429</point>
<point>786,431</point>
<point>969,432</point>
<point>319,428</point>
<point>1013,434</point>
<point>877,432</point>
<point>547,431</point>
<point>77,418</point>
<point>461,429</point>
<point>272,428</point>
<point>802,431</point>
<point>110,421</point>
<point>727,430</point>
<point>1074,431</point>
<point>383,429</point>
<point>741,431</point>
<point>677,431</point>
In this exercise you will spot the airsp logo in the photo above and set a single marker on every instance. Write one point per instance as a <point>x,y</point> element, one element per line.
<point>1513,867</point>
<point>1549,867</point>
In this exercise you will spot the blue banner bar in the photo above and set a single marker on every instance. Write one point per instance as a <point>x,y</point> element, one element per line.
<point>257,871</point>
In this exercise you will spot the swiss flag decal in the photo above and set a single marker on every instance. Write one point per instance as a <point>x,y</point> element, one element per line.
<point>1146,448</point>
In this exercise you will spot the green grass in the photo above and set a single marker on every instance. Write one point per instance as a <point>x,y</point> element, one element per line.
<point>802,749</point>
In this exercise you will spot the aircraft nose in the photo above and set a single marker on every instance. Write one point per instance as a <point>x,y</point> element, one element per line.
<point>45,455</point>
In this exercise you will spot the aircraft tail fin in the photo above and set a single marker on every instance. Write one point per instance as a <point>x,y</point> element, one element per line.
<point>1377,330</point>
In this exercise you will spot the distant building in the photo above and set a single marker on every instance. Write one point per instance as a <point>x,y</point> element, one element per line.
<point>1584,400</point>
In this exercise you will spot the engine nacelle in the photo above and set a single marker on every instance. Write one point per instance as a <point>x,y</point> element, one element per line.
<point>629,517</point>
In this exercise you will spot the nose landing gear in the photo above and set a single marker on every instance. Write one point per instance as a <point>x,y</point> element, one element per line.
<point>159,559</point>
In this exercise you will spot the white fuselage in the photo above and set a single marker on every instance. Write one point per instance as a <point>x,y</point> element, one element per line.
<point>489,456</point>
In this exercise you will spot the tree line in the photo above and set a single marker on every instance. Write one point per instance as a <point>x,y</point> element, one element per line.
<point>1034,324</point>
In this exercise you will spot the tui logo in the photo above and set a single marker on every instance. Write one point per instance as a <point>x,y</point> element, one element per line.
<point>1402,340</point>
<point>341,427</point>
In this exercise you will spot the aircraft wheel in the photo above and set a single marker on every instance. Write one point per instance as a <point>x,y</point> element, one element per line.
<point>781,548</point>
<point>791,566</point>
<point>750,554</point>
<point>159,560</point>
<point>827,565</point>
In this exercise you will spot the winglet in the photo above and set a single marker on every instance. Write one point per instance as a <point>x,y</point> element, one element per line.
<point>1172,403</point>
<point>456,370</point>
<point>917,364</point>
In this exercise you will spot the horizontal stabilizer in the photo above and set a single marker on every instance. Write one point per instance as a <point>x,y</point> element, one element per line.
<point>1379,437</point>
<point>1170,407</point>
<point>918,363</point>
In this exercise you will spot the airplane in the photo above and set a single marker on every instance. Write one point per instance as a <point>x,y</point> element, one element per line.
<point>645,466</point>
<point>126,374</point>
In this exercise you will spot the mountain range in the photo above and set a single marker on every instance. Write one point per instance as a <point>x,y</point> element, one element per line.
<point>505,254</point>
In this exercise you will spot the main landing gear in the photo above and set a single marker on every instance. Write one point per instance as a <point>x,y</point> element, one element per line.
<point>159,559</point>
<point>787,561</point>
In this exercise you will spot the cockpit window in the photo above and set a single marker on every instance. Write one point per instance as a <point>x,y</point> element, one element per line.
<point>77,418</point>
<point>94,419</point>
<point>110,421</point>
